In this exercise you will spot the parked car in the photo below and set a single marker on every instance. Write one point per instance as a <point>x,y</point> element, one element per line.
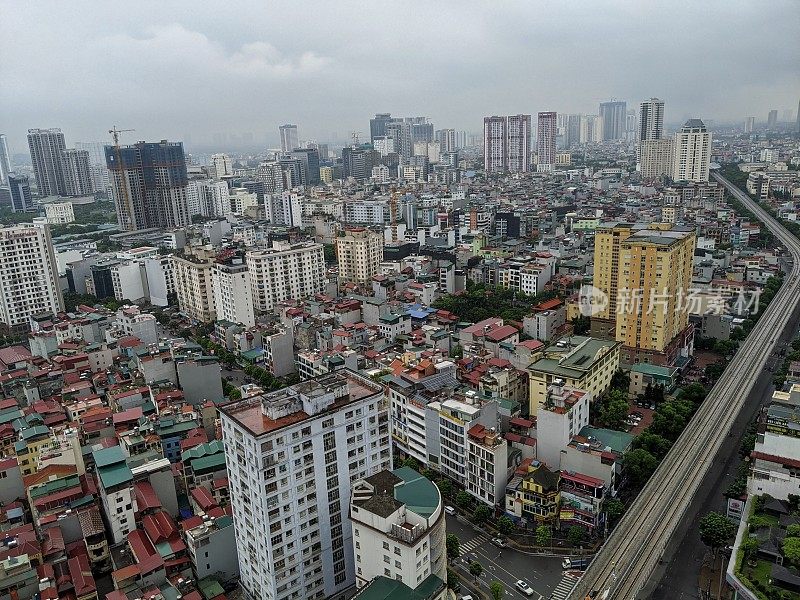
<point>499,542</point>
<point>523,587</point>
<point>449,510</point>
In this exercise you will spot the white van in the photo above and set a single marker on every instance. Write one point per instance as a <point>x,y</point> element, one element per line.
<point>449,510</point>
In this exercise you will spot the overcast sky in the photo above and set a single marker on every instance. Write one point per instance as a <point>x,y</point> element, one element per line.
<point>176,69</point>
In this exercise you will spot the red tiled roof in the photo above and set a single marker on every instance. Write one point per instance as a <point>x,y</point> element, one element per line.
<point>148,559</point>
<point>159,526</point>
<point>146,497</point>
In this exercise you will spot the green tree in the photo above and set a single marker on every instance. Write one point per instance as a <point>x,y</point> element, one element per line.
<point>463,499</point>
<point>505,525</point>
<point>481,513</point>
<point>620,380</point>
<point>615,409</point>
<point>639,465</point>
<point>457,352</point>
<point>497,590</point>
<point>714,370</point>
<point>725,348</point>
<point>716,530</point>
<point>445,487</point>
<point>453,580</point>
<point>453,546</point>
<point>475,569</point>
<point>576,535</point>
<point>655,444</point>
<point>791,550</point>
<point>614,508</point>
<point>793,530</point>
<point>543,535</point>
<point>749,547</point>
<point>581,325</point>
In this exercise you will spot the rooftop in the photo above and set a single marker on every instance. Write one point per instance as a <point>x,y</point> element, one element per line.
<point>265,413</point>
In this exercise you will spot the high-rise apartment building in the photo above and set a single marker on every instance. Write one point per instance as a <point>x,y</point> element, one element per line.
<point>96,150</point>
<point>310,164</point>
<point>383,144</point>
<point>656,157</point>
<point>377,126</point>
<point>292,455</point>
<point>659,264</point>
<point>193,284</point>
<point>270,174</point>
<point>572,133</point>
<point>5,160</point>
<point>646,273</point>
<point>221,165</point>
<point>289,139</point>
<point>495,140</point>
<point>546,141</point>
<point>28,274</point>
<point>208,197</point>
<point>149,183</point>
<point>519,143</point>
<point>613,115</point>
<point>772,118</point>
<point>749,124</point>
<point>284,209</point>
<point>398,515</point>
<point>591,129</point>
<point>692,152</point>
<point>76,172</point>
<point>233,294</point>
<point>359,253</point>
<point>285,271</point>
<point>446,139</point>
<point>400,131</point>
<point>651,120</point>
<point>20,189</point>
<point>46,147</point>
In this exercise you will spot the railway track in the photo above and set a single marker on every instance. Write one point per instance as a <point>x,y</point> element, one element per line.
<point>630,555</point>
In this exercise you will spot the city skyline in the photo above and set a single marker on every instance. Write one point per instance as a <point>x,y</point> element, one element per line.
<point>318,73</point>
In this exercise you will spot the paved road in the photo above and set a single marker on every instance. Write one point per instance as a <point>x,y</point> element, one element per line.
<point>506,564</point>
<point>649,530</point>
<point>679,578</point>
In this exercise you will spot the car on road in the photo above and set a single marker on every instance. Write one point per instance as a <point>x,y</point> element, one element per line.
<point>449,510</point>
<point>523,587</point>
<point>466,597</point>
<point>499,542</point>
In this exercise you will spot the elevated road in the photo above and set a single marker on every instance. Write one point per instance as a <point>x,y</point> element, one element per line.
<point>623,568</point>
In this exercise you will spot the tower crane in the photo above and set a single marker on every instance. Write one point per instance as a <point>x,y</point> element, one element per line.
<point>123,183</point>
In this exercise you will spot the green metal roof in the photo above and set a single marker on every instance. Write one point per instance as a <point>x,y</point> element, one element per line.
<point>115,475</point>
<point>618,441</point>
<point>108,456</point>
<point>655,370</point>
<point>383,588</point>
<point>55,485</point>
<point>212,462</point>
<point>418,493</point>
<point>211,447</point>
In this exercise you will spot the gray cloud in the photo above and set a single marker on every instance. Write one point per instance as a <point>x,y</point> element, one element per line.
<point>176,68</point>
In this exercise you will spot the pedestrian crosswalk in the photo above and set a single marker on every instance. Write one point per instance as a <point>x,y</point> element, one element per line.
<point>563,588</point>
<point>473,543</point>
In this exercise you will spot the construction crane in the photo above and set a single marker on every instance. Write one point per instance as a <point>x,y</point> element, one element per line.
<point>123,184</point>
<point>115,134</point>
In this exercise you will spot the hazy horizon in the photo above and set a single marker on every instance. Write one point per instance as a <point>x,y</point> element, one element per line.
<point>171,71</point>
